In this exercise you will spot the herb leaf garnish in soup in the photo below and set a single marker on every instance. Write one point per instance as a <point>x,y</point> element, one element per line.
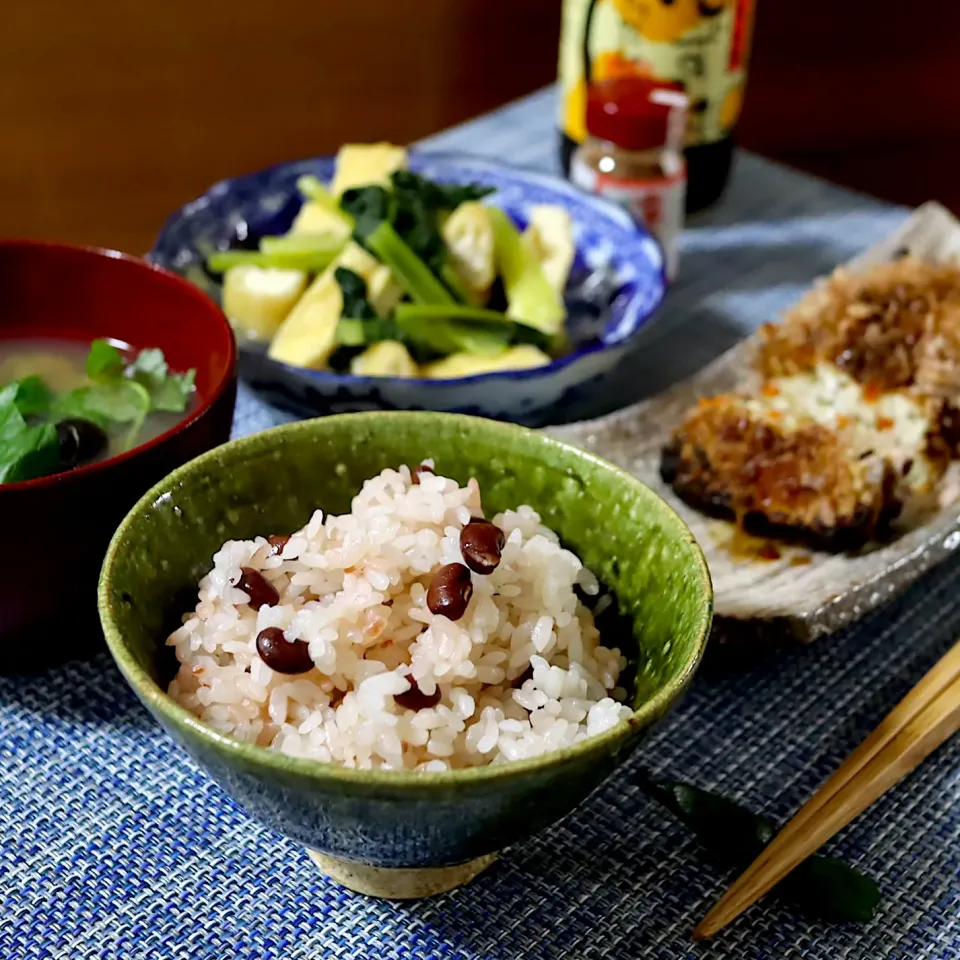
<point>25,451</point>
<point>40,430</point>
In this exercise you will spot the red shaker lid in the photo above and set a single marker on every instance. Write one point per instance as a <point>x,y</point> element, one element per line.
<point>621,110</point>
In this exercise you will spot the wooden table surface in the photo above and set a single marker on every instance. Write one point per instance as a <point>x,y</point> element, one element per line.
<point>112,114</point>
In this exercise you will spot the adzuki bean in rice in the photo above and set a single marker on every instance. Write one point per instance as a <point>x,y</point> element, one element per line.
<point>261,592</point>
<point>282,655</point>
<point>450,591</point>
<point>481,543</point>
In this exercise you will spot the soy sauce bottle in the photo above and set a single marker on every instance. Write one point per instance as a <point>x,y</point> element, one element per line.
<point>701,45</point>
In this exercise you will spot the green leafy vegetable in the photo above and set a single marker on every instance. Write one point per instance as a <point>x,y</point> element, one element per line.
<point>473,319</point>
<point>310,261</point>
<point>443,335</point>
<point>31,396</point>
<point>29,452</point>
<point>119,401</point>
<point>168,391</point>
<point>25,451</point>
<point>125,394</point>
<point>350,333</point>
<point>173,395</point>
<point>821,887</point>
<point>530,296</point>
<point>411,272</point>
<point>312,189</point>
<point>353,289</point>
<point>368,207</point>
<point>104,361</point>
<point>11,421</point>
<point>319,244</point>
<point>438,196</point>
<point>359,324</point>
<point>453,283</point>
<point>150,368</point>
<point>418,204</point>
<point>413,209</point>
<point>414,217</point>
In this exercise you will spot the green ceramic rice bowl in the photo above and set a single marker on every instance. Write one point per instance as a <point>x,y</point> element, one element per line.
<point>405,832</point>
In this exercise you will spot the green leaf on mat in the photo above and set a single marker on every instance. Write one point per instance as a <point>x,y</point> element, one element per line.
<point>820,887</point>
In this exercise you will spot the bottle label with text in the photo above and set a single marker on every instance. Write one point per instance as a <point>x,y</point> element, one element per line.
<point>700,44</point>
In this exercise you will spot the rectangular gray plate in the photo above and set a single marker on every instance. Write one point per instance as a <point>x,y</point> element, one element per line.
<point>776,601</point>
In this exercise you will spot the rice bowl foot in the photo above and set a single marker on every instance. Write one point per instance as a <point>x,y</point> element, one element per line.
<point>399,883</point>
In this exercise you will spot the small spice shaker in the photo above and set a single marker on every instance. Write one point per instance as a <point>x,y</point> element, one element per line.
<point>633,155</point>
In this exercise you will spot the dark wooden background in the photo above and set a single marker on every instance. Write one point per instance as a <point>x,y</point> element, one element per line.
<point>114,112</point>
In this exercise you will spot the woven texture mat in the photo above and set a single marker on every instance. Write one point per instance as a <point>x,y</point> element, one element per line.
<point>114,846</point>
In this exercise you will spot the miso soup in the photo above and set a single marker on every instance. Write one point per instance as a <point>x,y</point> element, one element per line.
<point>65,404</point>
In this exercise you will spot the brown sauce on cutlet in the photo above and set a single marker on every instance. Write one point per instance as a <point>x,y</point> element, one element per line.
<point>802,484</point>
<point>761,467</point>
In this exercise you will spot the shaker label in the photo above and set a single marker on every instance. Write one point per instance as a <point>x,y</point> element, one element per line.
<point>658,203</point>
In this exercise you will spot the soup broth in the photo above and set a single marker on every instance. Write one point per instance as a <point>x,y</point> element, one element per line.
<point>61,364</point>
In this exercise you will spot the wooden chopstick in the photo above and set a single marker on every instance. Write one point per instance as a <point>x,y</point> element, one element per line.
<point>942,673</point>
<point>927,716</point>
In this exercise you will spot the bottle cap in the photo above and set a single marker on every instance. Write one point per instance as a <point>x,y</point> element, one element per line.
<point>636,113</point>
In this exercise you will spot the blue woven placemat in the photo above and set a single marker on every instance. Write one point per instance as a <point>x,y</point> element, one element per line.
<point>114,846</point>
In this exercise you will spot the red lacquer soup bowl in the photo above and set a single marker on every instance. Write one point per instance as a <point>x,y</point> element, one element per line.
<point>55,529</point>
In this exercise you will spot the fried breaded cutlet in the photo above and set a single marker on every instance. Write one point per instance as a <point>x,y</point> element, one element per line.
<point>894,326</point>
<point>782,477</point>
<point>856,416</point>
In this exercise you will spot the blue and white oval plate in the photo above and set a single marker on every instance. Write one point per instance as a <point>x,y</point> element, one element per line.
<point>616,284</point>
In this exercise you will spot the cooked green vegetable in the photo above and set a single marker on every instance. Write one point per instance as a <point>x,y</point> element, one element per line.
<point>368,207</point>
<point>403,238</point>
<point>119,401</point>
<point>411,272</point>
<point>444,335</point>
<point>312,261</point>
<point>412,208</point>
<point>359,324</point>
<point>351,333</point>
<point>821,887</point>
<point>315,191</point>
<point>319,244</point>
<point>438,196</point>
<point>353,289</point>
<point>530,296</point>
<point>413,214</point>
<point>513,332</point>
<point>453,283</point>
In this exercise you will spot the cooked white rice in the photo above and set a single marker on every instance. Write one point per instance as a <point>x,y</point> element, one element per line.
<point>354,588</point>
